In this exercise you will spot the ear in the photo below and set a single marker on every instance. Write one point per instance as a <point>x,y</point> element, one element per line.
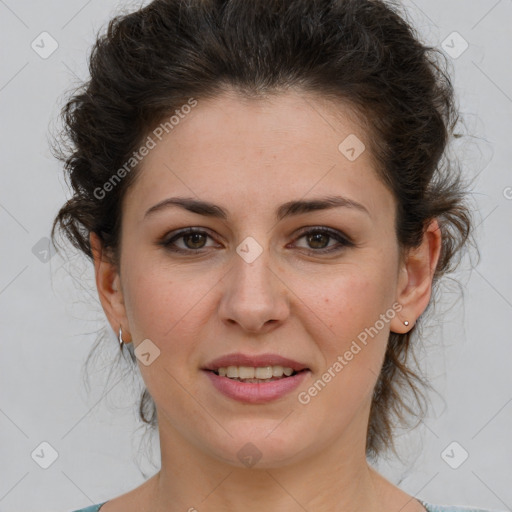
<point>108,283</point>
<point>415,278</point>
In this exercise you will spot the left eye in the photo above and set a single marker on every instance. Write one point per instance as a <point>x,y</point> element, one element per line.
<point>317,237</point>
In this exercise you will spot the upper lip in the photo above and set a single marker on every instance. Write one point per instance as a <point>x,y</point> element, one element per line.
<point>254,361</point>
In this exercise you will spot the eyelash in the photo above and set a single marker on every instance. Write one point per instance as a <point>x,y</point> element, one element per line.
<point>344,241</point>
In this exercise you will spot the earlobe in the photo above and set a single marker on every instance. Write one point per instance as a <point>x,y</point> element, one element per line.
<point>414,287</point>
<point>109,287</point>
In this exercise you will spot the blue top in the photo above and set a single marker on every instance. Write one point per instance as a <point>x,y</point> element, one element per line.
<point>428,506</point>
<point>92,508</point>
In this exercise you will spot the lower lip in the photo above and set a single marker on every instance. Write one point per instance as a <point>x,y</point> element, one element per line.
<point>256,393</point>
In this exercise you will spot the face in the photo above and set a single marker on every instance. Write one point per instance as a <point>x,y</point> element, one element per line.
<point>306,285</point>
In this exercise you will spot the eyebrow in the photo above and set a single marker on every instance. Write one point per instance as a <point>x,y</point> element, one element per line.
<point>289,209</point>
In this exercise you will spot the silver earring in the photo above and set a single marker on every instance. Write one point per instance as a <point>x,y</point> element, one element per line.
<point>406,323</point>
<point>121,342</point>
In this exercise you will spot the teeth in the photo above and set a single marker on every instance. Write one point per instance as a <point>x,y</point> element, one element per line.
<point>244,372</point>
<point>249,372</point>
<point>265,372</point>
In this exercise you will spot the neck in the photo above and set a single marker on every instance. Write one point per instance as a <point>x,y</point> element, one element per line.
<point>336,479</point>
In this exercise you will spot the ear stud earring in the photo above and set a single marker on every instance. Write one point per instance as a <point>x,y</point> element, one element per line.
<point>406,323</point>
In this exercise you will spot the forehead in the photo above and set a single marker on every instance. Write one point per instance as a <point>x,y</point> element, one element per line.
<point>233,149</point>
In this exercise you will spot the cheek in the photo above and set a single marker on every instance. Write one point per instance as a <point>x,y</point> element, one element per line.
<point>353,300</point>
<point>168,306</point>
<point>170,310</point>
<point>149,304</point>
<point>357,310</point>
<point>154,299</point>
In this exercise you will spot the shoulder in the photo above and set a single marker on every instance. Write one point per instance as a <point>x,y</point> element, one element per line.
<point>451,508</point>
<point>92,508</point>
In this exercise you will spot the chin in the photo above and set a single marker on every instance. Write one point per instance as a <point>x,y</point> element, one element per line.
<point>260,448</point>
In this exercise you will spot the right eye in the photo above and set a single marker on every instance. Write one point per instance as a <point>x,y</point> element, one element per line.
<point>193,239</point>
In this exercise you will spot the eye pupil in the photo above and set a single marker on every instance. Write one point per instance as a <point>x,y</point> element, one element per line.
<point>317,237</point>
<point>191,235</point>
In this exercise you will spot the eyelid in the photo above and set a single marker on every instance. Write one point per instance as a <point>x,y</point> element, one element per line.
<point>334,233</point>
<point>167,240</point>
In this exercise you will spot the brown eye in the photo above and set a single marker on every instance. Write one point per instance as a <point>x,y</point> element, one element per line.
<point>193,240</point>
<point>318,240</point>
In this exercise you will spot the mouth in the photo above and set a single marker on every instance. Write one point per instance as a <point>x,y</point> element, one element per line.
<point>255,379</point>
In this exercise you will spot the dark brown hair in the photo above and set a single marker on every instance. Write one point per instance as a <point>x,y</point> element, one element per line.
<point>361,53</point>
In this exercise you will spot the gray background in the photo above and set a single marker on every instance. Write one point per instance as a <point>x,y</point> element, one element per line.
<point>50,315</point>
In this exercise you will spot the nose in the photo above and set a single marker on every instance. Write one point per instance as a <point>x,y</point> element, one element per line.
<point>254,295</point>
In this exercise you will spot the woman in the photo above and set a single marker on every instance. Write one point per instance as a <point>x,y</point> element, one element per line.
<point>263,191</point>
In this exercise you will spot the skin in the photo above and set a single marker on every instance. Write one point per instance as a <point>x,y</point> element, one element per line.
<point>250,157</point>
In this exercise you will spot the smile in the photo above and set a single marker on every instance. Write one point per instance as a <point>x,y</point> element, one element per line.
<point>255,390</point>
